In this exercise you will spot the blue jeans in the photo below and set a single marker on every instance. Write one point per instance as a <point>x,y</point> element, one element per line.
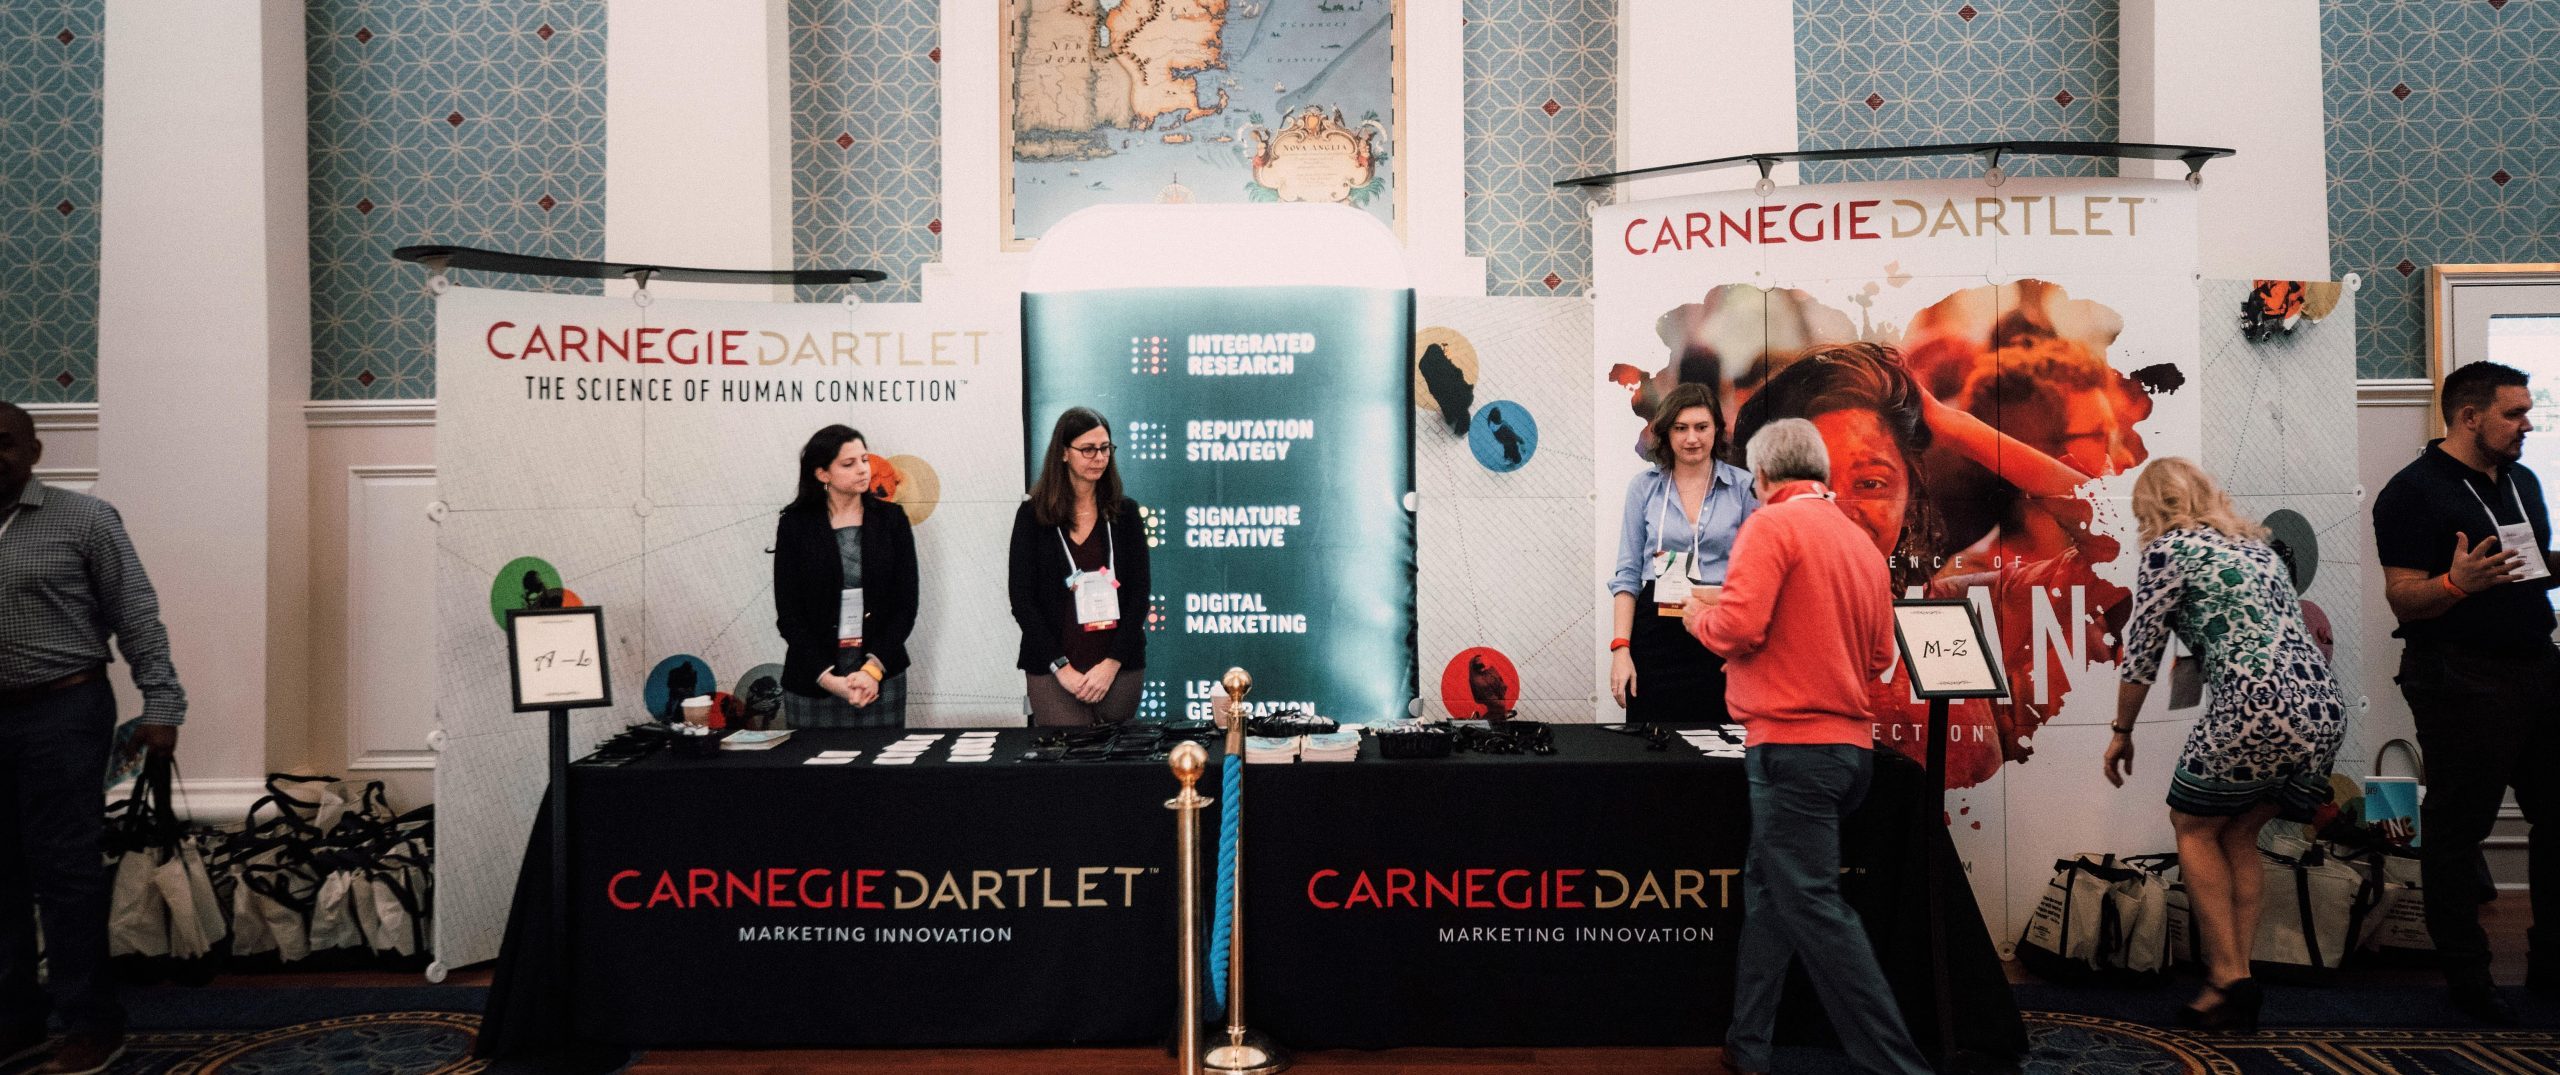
<point>1792,910</point>
<point>53,753</point>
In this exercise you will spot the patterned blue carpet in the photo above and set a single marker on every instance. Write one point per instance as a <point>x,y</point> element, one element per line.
<point>385,1043</point>
<point>2341,1031</point>
<point>2067,1044</point>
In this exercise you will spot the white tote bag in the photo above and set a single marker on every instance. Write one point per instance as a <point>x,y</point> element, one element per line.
<point>138,916</point>
<point>333,913</point>
<point>2310,908</point>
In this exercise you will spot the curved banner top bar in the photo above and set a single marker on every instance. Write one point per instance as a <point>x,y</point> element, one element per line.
<point>464,257</point>
<point>2194,156</point>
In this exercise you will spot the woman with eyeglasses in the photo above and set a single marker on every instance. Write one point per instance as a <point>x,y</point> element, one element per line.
<point>844,591</point>
<point>1078,577</point>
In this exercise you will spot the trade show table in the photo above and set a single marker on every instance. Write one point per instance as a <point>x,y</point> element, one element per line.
<point>1589,897</point>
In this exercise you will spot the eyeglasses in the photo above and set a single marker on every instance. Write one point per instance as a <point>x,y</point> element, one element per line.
<point>1092,451</point>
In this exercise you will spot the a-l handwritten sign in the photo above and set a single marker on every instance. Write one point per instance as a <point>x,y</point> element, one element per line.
<point>1943,650</point>
<point>555,658</point>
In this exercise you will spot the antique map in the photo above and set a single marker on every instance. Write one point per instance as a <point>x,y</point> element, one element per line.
<point>1118,101</point>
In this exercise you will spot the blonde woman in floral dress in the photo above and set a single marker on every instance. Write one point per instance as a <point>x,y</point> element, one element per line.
<point>2270,729</point>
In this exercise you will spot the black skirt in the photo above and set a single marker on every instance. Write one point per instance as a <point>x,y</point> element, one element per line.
<point>1679,683</point>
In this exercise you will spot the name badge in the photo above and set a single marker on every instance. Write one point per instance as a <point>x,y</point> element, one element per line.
<point>849,618</point>
<point>1097,606</point>
<point>2518,537</point>
<point>1671,588</point>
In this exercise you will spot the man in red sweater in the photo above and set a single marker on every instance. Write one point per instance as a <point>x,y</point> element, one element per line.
<point>1804,622</point>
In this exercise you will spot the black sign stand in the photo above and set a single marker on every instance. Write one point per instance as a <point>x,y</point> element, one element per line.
<point>560,947</point>
<point>1942,991</point>
<point>565,965</point>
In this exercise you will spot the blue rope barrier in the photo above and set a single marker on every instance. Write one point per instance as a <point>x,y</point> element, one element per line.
<point>1230,821</point>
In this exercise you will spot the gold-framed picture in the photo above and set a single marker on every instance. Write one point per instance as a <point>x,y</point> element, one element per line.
<point>1213,101</point>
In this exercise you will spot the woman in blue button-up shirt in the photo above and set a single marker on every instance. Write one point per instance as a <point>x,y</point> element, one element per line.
<point>1688,505</point>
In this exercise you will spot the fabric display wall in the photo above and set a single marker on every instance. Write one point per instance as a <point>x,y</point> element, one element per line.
<point>603,452</point>
<point>1501,461</point>
<point>1265,426</point>
<point>2027,348</point>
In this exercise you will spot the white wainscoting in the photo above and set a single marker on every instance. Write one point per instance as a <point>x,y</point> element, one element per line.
<point>76,479</point>
<point>391,617</point>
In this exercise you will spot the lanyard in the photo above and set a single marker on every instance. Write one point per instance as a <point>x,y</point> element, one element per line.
<point>1111,552</point>
<point>1823,492</point>
<point>1671,489</point>
<point>2466,484</point>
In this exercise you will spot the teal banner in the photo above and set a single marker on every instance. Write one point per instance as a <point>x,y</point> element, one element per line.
<point>1268,432</point>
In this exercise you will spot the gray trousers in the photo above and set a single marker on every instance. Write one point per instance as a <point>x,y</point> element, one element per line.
<point>53,753</point>
<point>1053,707</point>
<point>1792,910</point>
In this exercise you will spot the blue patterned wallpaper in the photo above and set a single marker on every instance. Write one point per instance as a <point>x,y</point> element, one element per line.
<point>866,141</point>
<point>1918,72</point>
<point>51,70</point>
<point>1541,105</point>
<point>2443,147</point>
<point>476,123</point>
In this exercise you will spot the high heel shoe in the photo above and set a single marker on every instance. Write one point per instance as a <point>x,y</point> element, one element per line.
<point>2234,1010</point>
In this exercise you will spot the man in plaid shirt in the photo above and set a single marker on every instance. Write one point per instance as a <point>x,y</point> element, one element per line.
<point>69,581</point>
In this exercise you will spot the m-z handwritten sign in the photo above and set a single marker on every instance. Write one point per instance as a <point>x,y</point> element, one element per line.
<point>1943,650</point>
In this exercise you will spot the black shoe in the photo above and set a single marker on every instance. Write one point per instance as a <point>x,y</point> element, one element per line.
<point>2542,975</point>
<point>84,1054</point>
<point>21,1046</point>
<point>2234,1009</point>
<point>2481,1001</point>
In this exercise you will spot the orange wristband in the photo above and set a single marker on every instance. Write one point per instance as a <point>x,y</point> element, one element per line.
<point>1616,644</point>
<point>2457,591</point>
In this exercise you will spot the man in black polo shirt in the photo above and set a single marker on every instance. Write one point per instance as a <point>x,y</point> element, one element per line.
<point>2462,535</point>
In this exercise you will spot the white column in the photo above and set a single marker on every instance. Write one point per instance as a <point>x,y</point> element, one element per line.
<point>697,153</point>
<point>972,154</point>
<point>204,358</point>
<point>1435,151</point>
<point>1697,81</point>
<point>2191,78</point>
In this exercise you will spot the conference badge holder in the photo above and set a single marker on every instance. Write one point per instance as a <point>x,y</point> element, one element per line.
<point>1671,588</point>
<point>2529,562</point>
<point>1097,606</point>
<point>2517,537</point>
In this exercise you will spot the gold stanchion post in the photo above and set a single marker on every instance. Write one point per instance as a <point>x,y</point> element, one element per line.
<point>1245,1052</point>
<point>1188,760</point>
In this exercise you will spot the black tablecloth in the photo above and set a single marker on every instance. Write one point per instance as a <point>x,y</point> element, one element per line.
<point>1427,902</point>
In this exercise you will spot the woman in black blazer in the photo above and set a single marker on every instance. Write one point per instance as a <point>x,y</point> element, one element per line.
<point>837,548</point>
<point>1077,535</point>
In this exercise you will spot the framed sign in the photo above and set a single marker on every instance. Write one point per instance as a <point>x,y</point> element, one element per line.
<point>555,659</point>
<point>1943,650</point>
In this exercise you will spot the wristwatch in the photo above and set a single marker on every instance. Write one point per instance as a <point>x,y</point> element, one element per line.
<point>1057,666</point>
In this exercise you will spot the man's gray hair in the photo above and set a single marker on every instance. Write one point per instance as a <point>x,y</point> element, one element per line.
<point>1788,450</point>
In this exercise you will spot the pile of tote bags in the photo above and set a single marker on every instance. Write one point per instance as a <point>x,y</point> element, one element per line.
<point>322,876</point>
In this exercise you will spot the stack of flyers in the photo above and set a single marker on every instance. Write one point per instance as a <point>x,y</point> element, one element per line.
<point>1721,741</point>
<point>834,757</point>
<point>1331,746</point>
<point>907,750</point>
<point>1271,748</point>
<point>973,746</point>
